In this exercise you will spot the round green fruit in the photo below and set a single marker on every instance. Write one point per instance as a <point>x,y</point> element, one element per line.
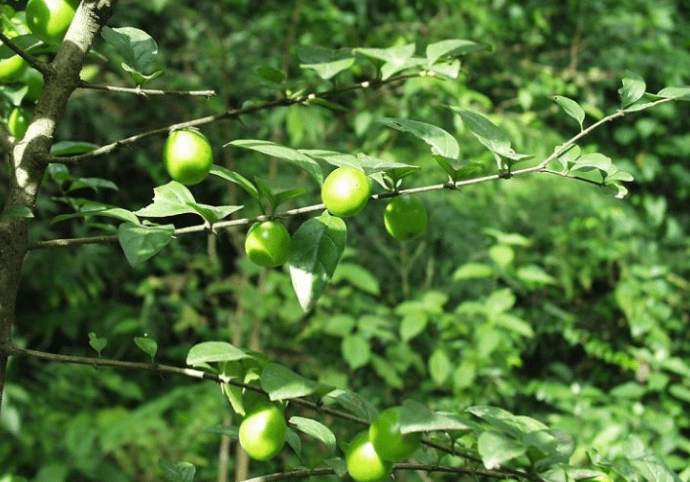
<point>34,82</point>
<point>18,122</point>
<point>49,19</point>
<point>363,462</point>
<point>188,156</point>
<point>388,441</point>
<point>405,217</point>
<point>262,432</point>
<point>345,191</point>
<point>11,68</point>
<point>268,244</point>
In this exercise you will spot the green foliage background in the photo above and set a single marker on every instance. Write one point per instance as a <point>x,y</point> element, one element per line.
<point>543,296</point>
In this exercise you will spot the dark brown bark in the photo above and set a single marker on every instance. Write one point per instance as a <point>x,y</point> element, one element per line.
<point>27,158</point>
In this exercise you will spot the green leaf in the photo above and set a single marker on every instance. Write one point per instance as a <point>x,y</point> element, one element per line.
<point>368,164</point>
<point>572,108</point>
<point>358,277</point>
<point>393,55</point>
<point>177,472</point>
<point>633,89</point>
<point>355,350</point>
<point>493,138</point>
<point>473,270</point>
<point>315,251</point>
<point>514,324</point>
<point>495,449</point>
<point>452,47</point>
<point>352,402</point>
<point>233,370</point>
<point>654,469</point>
<point>140,243</point>
<point>97,209</point>
<point>97,343</point>
<point>71,148</point>
<point>282,383</point>
<point>215,352</point>
<point>170,199</point>
<point>315,429</point>
<point>147,345</point>
<point>236,178</point>
<point>137,48</point>
<point>441,142</point>
<point>679,93</point>
<point>417,417</point>
<point>271,75</point>
<point>535,274</point>
<point>95,183</point>
<point>591,161</point>
<point>18,212</point>
<point>391,68</point>
<point>514,425</point>
<point>413,324</point>
<point>293,156</point>
<point>326,62</point>
<point>440,366</point>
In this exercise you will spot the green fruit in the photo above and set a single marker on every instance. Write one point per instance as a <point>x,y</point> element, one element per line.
<point>262,432</point>
<point>345,191</point>
<point>34,81</point>
<point>268,244</point>
<point>391,444</point>
<point>363,462</point>
<point>49,19</point>
<point>188,156</point>
<point>11,68</point>
<point>405,217</point>
<point>18,122</point>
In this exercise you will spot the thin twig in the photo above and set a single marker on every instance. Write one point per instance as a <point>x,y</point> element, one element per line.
<point>229,114</point>
<point>146,92</point>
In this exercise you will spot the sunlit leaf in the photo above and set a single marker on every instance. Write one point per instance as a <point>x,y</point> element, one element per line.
<point>293,156</point>
<point>572,108</point>
<point>214,352</point>
<point>315,429</point>
<point>441,142</point>
<point>316,249</point>
<point>282,383</point>
<point>633,89</point>
<point>140,243</point>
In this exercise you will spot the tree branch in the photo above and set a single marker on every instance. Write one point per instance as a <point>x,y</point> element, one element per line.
<point>30,59</point>
<point>229,114</point>
<point>147,92</point>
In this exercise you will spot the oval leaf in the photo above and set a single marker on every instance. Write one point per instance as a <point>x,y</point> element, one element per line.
<point>316,249</point>
<point>572,108</point>
<point>140,243</point>
<point>213,352</point>
<point>293,156</point>
<point>441,142</point>
<point>282,383</point>
<point>316,430</point>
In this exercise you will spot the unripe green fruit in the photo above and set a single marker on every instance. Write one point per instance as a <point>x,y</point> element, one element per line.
<point>262,432</point>
<point>18,122</point>
<point>346,191</point>
<point>188,156</point>
<point>268,244</point>
<point>363,462</point>
<point>49,19</point>
<point>388,441</point>
<point>12,68</point>
<point>405,217</point>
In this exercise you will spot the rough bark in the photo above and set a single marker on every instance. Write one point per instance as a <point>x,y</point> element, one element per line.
<point>27,158</point>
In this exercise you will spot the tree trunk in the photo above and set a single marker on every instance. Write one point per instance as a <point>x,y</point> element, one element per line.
<point>28,158</point>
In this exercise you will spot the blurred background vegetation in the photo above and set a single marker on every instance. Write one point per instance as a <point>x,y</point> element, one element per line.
<point>544,296</point>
